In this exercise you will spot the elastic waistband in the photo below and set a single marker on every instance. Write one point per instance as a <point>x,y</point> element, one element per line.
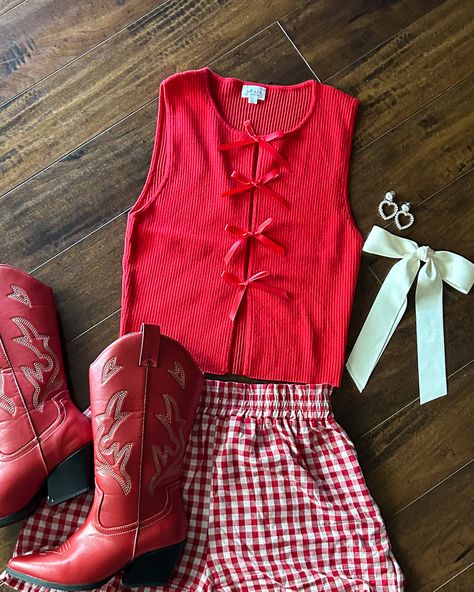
<point>265,400</point>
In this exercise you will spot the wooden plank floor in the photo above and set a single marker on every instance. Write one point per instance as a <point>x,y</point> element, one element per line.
<point>78,92</point>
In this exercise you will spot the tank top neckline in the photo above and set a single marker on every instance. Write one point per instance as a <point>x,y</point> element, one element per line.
<point>208,73</point>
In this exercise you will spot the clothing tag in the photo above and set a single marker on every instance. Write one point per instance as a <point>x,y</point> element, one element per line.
<point>253,93</point>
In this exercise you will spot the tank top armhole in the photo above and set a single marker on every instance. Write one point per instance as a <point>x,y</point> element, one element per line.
<point>160,164</point>
<point>350,111</point>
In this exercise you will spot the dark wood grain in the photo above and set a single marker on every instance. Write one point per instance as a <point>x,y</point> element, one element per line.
<point>420,444</point>
<point>331,39</point>
<point>82,191</point>
<point>417,158</point>
<point>82,351</point>
<point>460,582</point>
<point>39,37</point>
<point>412,68</point>
<point>433,538</point>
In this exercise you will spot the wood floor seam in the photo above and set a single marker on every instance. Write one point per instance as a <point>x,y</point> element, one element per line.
<point>12,8</point>
<point>444,584</point>
<point>298,50</point>
<point>438,484</point>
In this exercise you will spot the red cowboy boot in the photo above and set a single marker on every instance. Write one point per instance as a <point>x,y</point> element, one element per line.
<point>145,389</point>
<point>44,438</point>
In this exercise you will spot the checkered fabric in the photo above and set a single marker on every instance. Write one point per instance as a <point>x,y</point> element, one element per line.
<point>275,498</point>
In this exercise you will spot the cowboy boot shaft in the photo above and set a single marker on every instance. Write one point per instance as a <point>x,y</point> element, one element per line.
<point>31,353</point>
<point>39,424</point>
<point>116,391</point>
<point>144,392</point>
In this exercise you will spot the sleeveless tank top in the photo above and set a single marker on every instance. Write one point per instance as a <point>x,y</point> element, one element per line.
<point>241,244</point>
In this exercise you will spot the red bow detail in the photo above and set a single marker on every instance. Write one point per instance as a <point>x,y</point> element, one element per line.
<point>261,140</point>
<point>258,183</point>
<point>232,279</point>
<point>257,233</point>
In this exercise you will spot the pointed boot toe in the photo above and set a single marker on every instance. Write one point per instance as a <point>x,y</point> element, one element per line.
<point>145,388</point>
<point>32,569</point>
<point>56,569</point>
<point>21,564</point>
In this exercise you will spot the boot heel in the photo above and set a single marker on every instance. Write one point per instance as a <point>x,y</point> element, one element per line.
<point>72,477</point>
<point>154,568</point>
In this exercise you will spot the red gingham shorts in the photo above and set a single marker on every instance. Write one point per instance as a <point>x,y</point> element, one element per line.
<point>275,498</point>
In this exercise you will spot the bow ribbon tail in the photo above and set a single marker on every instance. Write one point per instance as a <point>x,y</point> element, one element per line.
<point>265,144</point>
<point>265,240</point>
<point>246,185</point>
<point>430,334</point>
<point>382,320</point>
<point>270,244</point>
<point>233,280</point>
<point>236,302</point>
<point>266,287</point>
<point>272,174</point>
<point>276,195</point>
<point>233,249</point>
<point>264,225</point>
<point>458,272</point>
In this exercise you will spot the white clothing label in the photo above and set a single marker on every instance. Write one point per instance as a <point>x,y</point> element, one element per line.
<point>253,93</point>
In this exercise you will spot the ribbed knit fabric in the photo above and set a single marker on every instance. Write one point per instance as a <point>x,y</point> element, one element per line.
<point>290,325</point>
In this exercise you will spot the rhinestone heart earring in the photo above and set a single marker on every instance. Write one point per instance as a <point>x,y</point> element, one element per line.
<point>388,202</point>
<point>404,211</point>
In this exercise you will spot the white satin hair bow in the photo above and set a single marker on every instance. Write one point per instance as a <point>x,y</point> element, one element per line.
<point>391,302</point>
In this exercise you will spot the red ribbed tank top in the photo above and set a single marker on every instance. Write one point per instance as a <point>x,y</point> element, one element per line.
<point>241,244</point>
